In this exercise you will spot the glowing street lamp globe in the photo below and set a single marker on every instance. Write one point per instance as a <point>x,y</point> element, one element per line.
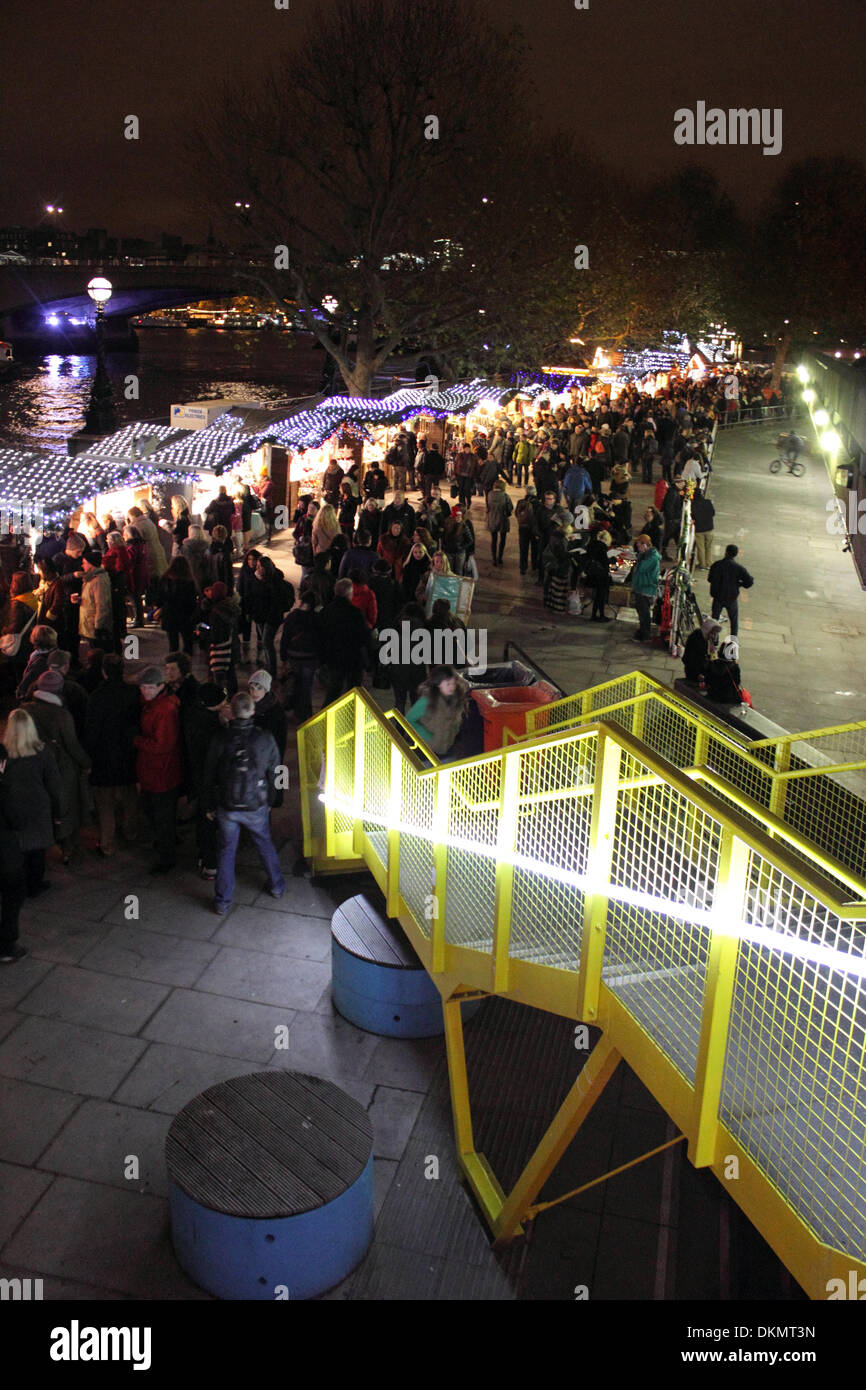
<point>821,418</point>
<point>99,290</point>
<point>831,441</point>
<point>808,395</point>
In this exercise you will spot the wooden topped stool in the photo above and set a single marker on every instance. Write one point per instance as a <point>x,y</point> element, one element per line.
<point>270,1186</point>
<point>377,980</point>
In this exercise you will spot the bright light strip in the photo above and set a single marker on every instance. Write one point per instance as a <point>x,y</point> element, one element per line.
<point>818,954</point>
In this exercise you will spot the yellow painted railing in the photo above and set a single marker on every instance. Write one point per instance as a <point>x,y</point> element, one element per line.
<point>806,780</point>
<point>583,873</point>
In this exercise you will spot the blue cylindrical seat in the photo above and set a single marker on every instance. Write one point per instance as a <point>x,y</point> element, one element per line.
<point>270,1186</point>
<point>377,980</point>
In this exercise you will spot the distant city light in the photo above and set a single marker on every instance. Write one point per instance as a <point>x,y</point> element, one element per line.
<point>53,320</point>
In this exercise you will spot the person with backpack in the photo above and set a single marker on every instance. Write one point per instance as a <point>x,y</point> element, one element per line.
<point>238,789</point>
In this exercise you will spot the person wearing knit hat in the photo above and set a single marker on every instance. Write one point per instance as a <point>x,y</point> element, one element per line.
<point>217,592</point>
<point>56,728</point>
<point>269,714</point>
<point>151,675</point>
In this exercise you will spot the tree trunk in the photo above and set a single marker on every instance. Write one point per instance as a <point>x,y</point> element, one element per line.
<point>359,380</point>
<point>783,347</point>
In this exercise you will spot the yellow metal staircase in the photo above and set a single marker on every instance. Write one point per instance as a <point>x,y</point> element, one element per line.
<point>630,865</point>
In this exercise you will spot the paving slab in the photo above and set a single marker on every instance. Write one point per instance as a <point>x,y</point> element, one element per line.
<point>393,1114</point>
<point>136,953</point>
<point>165,910</point>
<point>21,1189</point>
<point>16,981</point>
<point>32,1116</point>
<point>284,981</point>
<point>115,1003</point>
<point>328,1047</point>
<point>211,1023</point>
<point>102,1236</point>
<point>57,939</point>
<point>110,1143</point>
<point>62,1290</point>
<point>277,932</point>
<point>166,1077</point>
<point>86,1061</point>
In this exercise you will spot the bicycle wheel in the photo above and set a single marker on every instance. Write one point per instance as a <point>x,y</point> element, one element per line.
<point>798,469</point>
<point>776,466</point>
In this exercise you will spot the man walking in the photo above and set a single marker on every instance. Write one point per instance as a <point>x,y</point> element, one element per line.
<point>727,578</point>
<point>703,516</point>
<point>239,786</point>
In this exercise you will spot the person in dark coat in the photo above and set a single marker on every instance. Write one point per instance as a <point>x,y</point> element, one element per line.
<point>699,646</point>
<point>200,724</point>
<point>387,592</point>
<point>74,695</point>
<point>406,677</point>
<point>726,578</point>
<point>375,484</point>
<point>269,713</point>
<point>346,642</point>
<point>13,885</point>
<point>43,641</point>
<point>178,596</point>
<point>30,778</point>
<point>270,716</point>
<point>301,652</point>
<point>277,598</point>
<point>55,727</point>
<point>596,567</point>
<point>111,726</point>
<point>219,512</point>
<point>221,557</point>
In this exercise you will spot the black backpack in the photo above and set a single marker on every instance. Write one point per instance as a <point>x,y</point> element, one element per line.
<point>242,788</point>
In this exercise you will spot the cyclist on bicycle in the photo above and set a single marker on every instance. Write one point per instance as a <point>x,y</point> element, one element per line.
<point>792,444</point>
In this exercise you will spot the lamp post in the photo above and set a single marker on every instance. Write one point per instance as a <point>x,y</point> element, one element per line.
<point>101,417</point>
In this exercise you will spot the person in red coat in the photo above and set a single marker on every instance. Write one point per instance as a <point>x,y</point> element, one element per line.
<point>158,764</point>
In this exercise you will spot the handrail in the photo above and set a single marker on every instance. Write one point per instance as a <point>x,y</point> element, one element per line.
<point>530,662</point>
<point>581,872</point>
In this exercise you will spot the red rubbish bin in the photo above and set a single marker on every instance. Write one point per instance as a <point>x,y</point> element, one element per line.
<point>507,707</point>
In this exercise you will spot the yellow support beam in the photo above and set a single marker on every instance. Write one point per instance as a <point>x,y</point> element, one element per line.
<point>599,858</point>
<point>599,1067</point>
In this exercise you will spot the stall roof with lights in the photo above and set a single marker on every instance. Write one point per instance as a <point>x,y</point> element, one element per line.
<point>143,452</point>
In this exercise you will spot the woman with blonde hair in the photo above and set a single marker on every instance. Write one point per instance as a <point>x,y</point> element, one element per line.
<point>181,521</point>
<point>31,792</point>
<point>325,530</point>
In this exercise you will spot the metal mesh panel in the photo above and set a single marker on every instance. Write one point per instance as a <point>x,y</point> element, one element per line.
<point>553,827</point>
<point>668,731</point>
<point>830,815</point>
<point>837,745</point>
<point>666,847</point>
<point>727,760</point>
<point>792,1092</point>
<point>612,693</point>
<point>377,782</point>
<point>344,765</point>
<point>470,877</point>
<point>313,774</point>
<point>416,851</point>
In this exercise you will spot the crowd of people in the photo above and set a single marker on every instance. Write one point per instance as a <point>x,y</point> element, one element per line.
<point>85,743</point>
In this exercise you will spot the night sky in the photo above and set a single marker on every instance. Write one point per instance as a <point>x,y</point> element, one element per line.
<point>613,74</point>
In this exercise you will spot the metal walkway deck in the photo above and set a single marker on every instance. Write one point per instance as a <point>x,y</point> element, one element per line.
<point>581,872</point>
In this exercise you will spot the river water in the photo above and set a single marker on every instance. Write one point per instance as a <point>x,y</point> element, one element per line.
<point>46,398</point>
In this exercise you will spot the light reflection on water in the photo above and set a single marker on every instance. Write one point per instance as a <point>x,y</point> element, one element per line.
<point>46,399</point>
